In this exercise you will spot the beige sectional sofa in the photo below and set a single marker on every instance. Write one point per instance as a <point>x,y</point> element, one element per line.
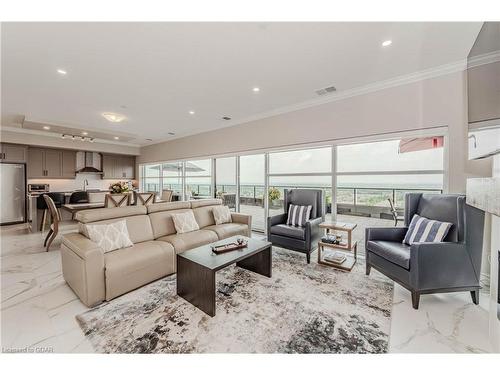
<point>96,276</point>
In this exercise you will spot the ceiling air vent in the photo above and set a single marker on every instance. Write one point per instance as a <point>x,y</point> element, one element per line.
<point>326,90</point>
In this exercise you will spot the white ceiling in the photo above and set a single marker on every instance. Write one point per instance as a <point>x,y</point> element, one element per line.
<point>155,73</point>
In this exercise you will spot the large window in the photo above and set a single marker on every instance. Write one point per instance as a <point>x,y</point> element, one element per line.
<point>371,174</point>
<point>252,189</point>
<point>198,178</point>
<point>151,178</point>
<point>307,169</point>
<point>172,177</point>
<point>225,181</point>
<point>357,179</point>
<point>188,179</point>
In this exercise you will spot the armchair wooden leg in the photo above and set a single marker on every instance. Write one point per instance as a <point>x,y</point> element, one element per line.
<point>415,299</point>
<point>475,296</point>
<point>308,256</point>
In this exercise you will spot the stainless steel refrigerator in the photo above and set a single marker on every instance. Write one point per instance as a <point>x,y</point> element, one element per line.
<point>12,193</point>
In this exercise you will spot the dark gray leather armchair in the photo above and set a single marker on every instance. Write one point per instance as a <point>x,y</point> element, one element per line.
<point>431,267</point>
<point>302,239</point>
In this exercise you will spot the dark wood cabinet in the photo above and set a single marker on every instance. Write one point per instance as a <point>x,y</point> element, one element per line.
<point>10,153</point>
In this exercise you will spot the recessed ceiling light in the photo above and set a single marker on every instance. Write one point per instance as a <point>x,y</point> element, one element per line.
<point>255,89</point>
<point>116,138</point>
<point>191,112</point>
<point>386,43</point>
<point>113,117</point>
<point>62,72</point>
<point>46,128</point>
<point>85,133</point>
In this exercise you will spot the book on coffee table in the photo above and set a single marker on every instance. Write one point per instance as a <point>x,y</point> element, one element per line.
<point>336,257</point>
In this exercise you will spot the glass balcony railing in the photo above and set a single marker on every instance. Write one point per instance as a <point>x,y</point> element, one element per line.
<point>365,201</point>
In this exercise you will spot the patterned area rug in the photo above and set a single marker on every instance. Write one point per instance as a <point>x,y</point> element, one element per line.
<point>301,309</point>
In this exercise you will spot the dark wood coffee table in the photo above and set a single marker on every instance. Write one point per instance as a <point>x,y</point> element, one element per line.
<point>196,269</point>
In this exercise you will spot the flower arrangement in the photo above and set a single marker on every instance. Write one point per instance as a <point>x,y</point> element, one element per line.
<point>119,187</point>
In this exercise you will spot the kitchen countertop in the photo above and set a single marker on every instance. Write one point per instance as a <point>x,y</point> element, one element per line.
<point>67,193</point>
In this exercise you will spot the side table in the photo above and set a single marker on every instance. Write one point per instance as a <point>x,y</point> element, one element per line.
<point>348,247</point>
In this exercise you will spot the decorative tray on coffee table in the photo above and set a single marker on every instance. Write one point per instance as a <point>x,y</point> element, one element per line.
<point>224,248</point>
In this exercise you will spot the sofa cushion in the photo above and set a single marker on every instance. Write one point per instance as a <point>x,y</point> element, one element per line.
<point>206,202</point>
<point>168,206</point>
<point>229,230</point>
<point>162,223</point>
<point>298,215</point>
<point>422,229</point>
<point>99,214</point>
<point>186,241</point>
<point>111,236</point>
<point>139,227</point>
<point>204,216</point>
<point>222,214</point>
<point>185,222</point>
<point>395,252</point>
<point>289,231</point>
<point>132,267</point>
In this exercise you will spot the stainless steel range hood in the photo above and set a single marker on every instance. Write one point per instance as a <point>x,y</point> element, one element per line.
<point>88,162</point>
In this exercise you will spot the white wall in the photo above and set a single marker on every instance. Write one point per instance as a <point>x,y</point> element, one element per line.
<point>430,103</point>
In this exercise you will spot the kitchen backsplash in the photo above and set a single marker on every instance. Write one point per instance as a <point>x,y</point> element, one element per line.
<point>95,182</point>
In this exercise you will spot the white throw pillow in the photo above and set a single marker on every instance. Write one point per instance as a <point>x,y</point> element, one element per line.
<point>185,222</point>
<point>222,215</point>
<point>110,237</point>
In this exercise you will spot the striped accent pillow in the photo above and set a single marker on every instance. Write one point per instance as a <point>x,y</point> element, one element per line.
<point>422,229</point>
<point>298,215</point>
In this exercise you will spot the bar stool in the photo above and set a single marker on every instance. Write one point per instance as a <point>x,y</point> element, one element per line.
<point>55,219</point>
<point>58,199</point>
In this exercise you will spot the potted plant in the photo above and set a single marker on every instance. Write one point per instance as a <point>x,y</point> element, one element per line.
<point>274,196</point>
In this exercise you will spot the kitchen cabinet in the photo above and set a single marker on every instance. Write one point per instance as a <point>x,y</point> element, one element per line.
<point>68,164</point>
<point>12,153</point>
<point>128,166</point>
<point>117,166</point>
<point>51,163</point>
<point>36,164</point>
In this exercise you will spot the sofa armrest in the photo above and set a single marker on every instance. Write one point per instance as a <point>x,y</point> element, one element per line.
<point>81,245</point>
<point>83,268</point>
<point>277,219</point>
<point>313,231</point>
<point>435,265</point>
<point>385,234</point>
<point>243,219</point>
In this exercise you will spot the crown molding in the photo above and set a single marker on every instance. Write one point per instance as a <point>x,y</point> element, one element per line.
<point>487,58</point>
<point>438,71</point>
<point>54,135</point>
